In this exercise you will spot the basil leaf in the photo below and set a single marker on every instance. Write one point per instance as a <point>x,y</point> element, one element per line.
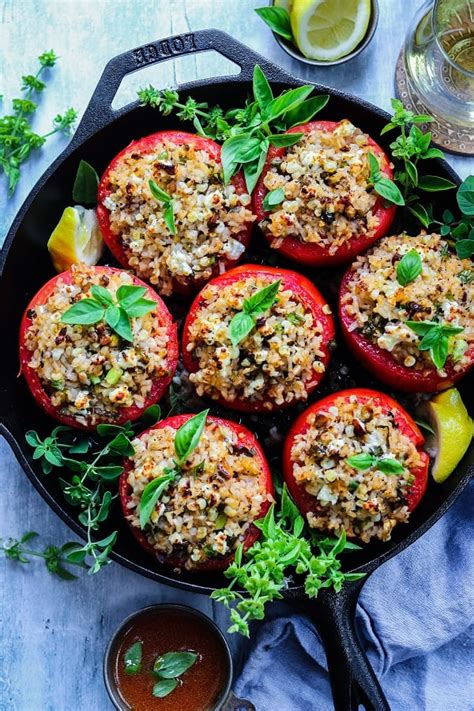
<point>102,295</point>
<point>164,687</point>
<point>361,461</point>
<point>439,351</point>
<point>261,88</point>
<point>373,166</point>
<point>140,308</point>
<point>389,466</point>
<point>305,111</point>
<point>243,148</point>
<point>274,197</point>
<point>84,190</point>
<point>278,20</point>
<point>433,183</point>
<point>123,326</point>
<point>465,248</point>
<point>409,267</point>
<point>421,327</point>
<point>288,100</point>
<point>282,140</point>
<point>262,299</point>
<point>152,414</point>
<point>85,312</point>
<point>240,326</point>
<point>412,172</point>
<point>465,196</point>
<point>168,217</point>
<point>132,659</point>
<point>128,294</point>
<point>387,189</point>
<point>158,193</point>
<point>430,339</point>
<point>173,664</point>
<point>150,495</point>
<point>112,316</point>
<point>188,435</point>
<point>420,213</point>
<point>253,170</point>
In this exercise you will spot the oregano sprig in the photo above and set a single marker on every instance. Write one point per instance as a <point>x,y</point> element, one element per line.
<point>244,321</point>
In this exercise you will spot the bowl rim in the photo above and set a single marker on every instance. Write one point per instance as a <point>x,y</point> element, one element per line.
<point>110,652</point>
<point>291,49</point>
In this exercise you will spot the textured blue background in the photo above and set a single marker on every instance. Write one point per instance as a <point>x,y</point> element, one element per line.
<point>53,633</point>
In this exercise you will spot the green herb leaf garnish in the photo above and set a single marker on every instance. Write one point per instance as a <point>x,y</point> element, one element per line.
<point>151,495</point>
<point>465,197</point>
<point>409,267</point>
<point>132,659</point>
<point>244,321</point>
<point>84,190</point>
<point>383,186</point>
<point>278,20</point>
<point>161,195</point>
<point>188,435</point>
<point>435,339</point>
<point>273,198</point>
<point>365,461</point>
<point>173,664</point>
<point>164,687</point>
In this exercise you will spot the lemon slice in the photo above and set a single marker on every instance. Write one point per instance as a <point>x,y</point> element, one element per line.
<point>329,29</point>
<point>450,420</point>
<point>76,239</point>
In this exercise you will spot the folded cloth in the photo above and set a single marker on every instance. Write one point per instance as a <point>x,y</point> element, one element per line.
<point>415,617</point>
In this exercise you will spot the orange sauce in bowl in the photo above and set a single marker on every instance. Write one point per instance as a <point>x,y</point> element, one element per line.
<point>199,688</point>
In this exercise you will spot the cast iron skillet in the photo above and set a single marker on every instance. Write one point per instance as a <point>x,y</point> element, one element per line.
<point>25,266</point>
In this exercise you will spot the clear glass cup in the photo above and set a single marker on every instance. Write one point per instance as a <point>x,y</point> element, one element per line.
<point>439,59</point>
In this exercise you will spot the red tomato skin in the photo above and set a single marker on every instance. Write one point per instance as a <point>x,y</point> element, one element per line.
<point>253,533</point>
<point>311,298</point>
<point>312,254</point>
<point>148,144</point>
<point>382,363</point>
<point>128,413</point>
<point>306,502</point>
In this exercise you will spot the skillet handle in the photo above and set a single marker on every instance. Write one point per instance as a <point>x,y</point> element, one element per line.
<point>353,681</point>
<point>99,111</point>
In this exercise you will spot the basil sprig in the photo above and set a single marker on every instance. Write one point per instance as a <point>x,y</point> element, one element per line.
<point>161,195</point>
<point>435,338</point>
<point>273,198</point>
<point>278,20</point>
<point>246,132</point>
<point>84,190</point>
<point>132,659</point>
<point>365,461</point>
<point>168,668</point>
<point>383,186</point>
<point>117,313</point>
<point>409,267</point>
<point>244,321</point>
<point>185,441</point>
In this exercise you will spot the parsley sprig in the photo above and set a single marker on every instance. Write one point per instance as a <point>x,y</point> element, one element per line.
<point>244,321</point>
<point>436,338</point>
<point>264,570</point>
<point>17,138</point>
<point>247,132</point>
<point>117,313</point>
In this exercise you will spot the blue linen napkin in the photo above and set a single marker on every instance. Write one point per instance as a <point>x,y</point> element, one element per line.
<point>415,617</point>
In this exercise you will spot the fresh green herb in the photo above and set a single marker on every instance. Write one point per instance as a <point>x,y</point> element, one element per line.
<point>173,664</point>
<point>186,440</point>
<point>247,132</point>
<point>465,197</point>
<point>244,321</point>
<point>264,573</point>
<point>164,687</point>
<point>278,20</point>
<point>132,659</point>
<point>117,314</point>
<point>436,339</point>
<point>168,215</point>
<point>382,185</point>
<point>55,558</point>
<point>84,190</point>
<point>409,267</point>
<point>274,197</point>
<point>368,461</point>
<point>466,276</point>
<point>17,138</point>
<point>425,426</point>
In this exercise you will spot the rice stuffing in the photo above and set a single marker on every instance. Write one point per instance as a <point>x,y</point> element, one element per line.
<point>209,216</point>
<point>380,305</point>
<point>324,178</point>
<point>366,504</point>
<point>73,361</point>
<point>275,363</point>
<point>207,511</point>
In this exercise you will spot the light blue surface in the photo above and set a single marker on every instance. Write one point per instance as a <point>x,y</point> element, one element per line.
<point>53,633</point>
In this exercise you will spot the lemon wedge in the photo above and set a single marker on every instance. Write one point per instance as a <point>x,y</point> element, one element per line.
<point>329,29</point>
<point>453,428</point>
<point>76,239</point>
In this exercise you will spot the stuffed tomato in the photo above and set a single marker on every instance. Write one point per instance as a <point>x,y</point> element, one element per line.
<point>190,227</point>
<point>87,374</point>
<point>255,356</point>
<point>415,335</point>
<point>322,209</point>
<point>353,461</point>
<point>209,508</point>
